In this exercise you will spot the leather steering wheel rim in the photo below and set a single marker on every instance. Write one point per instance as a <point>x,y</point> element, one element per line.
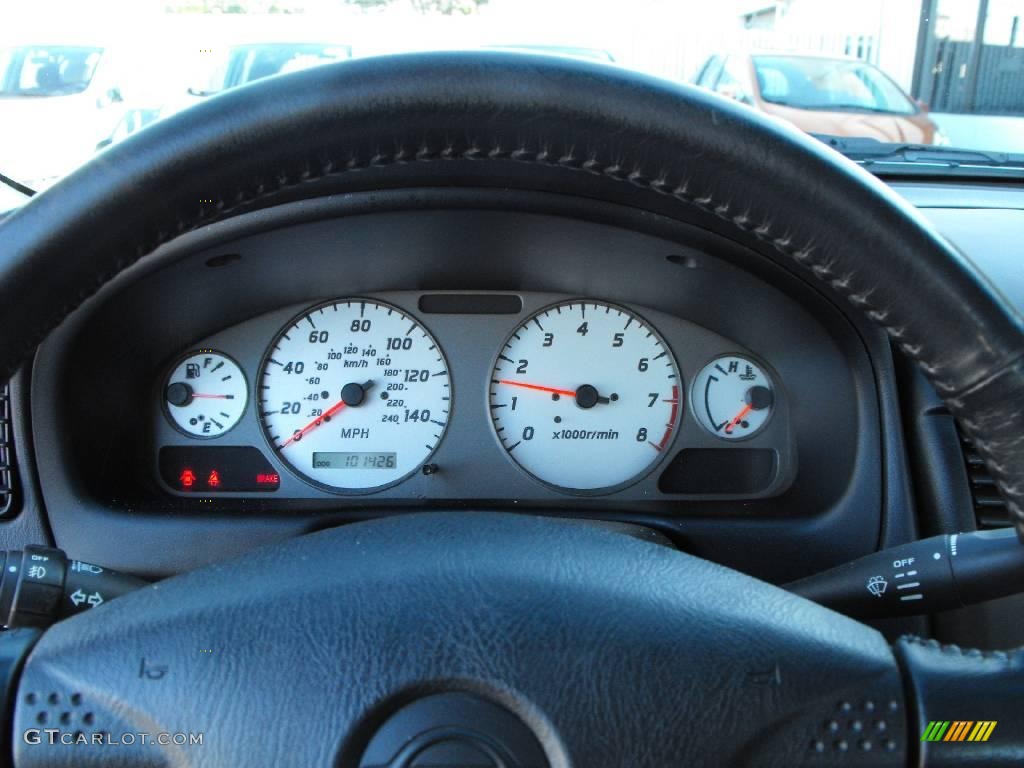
<point>548,124</point>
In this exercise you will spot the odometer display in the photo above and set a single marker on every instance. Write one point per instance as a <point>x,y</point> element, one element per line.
<point>354,395</point>
<point>585,396</point>
<point>354,460</point>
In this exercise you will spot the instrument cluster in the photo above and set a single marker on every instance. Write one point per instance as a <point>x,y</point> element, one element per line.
<point>471,395</point>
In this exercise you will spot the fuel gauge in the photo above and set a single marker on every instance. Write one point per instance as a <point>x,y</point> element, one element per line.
<point>733,397</point>
<point>205,395</point>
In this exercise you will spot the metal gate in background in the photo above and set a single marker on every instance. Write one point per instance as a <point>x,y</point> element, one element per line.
<point>997,88</point>
<point>968,77</point>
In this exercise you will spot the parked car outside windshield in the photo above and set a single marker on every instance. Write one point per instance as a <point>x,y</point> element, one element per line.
<point>47,70</point>
<point>822,95</point>
<point>809,82</point>
<point>57,102</point>
<point>243,64</point>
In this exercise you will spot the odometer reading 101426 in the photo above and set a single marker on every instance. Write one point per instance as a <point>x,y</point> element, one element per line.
<point>585,396</point>
<point>354,395</point>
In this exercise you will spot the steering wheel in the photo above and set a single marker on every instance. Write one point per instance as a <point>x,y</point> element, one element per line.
<point>499,639</point>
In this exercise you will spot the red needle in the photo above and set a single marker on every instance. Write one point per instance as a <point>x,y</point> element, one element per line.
<point>211,397</point>
<point>566,392</point>
<point>314,423</point>
<point>739,417</point>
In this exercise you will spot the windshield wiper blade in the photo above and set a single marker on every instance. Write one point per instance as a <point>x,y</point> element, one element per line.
<point>17,185</point>
<point>924,158</point>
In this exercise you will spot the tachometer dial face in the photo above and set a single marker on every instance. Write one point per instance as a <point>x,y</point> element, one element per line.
<point>585,396</point>
<point>354,395</point>
<point>205,395</point>
<point>733,397</point>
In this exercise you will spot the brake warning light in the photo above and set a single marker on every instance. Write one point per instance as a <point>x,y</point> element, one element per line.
<point>217,469</point>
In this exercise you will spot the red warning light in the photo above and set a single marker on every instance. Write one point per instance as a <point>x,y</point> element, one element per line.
<point>214,479</point>
<point>268,478</point>
<point>187,478</point>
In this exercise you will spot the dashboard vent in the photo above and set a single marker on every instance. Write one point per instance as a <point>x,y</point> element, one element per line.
<point>989,506</point>
<point>6,453</point>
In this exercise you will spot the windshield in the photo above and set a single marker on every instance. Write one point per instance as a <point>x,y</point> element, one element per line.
<point>77,76</point>
<point>813,83</point>
<point>45,70</point>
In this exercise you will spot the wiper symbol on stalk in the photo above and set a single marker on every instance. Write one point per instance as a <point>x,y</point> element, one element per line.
<point>877,585</point>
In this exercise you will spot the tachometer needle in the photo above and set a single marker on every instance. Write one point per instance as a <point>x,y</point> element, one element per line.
<point>539,388</point>
<point>738,418</point>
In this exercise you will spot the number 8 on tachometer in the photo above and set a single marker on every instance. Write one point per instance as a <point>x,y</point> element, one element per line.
<point>585,396</point>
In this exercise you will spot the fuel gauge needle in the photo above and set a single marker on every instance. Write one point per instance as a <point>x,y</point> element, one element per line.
<point>738,418</point>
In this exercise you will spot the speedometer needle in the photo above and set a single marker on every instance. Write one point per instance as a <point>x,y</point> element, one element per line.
<point>299,434</point>
<point>738,418</point>
<point>347,397</point>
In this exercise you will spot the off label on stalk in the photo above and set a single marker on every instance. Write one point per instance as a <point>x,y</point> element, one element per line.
<point>585,396</point>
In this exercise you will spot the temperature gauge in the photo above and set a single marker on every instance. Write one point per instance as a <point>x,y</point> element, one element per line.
<point>733,397</point>
<point>205,394</point>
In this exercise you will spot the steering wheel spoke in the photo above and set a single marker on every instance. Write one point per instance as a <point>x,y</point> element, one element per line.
<point>609,650</point>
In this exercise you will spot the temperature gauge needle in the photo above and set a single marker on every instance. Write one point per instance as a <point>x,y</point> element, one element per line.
<point>738,418</point>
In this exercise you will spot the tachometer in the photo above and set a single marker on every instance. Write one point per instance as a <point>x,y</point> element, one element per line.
<point>585,396</point>
<point>354,395</point>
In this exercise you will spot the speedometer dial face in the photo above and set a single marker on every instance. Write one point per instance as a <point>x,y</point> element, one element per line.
<point>585,396</point>
<point>354,395</point>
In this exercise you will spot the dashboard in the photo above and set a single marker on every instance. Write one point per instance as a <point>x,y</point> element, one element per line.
<point>361,355</point>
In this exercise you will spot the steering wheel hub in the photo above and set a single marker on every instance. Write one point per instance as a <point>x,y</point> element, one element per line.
<point>453,729</point>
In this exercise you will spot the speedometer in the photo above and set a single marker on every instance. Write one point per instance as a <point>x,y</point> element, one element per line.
<point>354,395</point>
<point>585,396</point>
